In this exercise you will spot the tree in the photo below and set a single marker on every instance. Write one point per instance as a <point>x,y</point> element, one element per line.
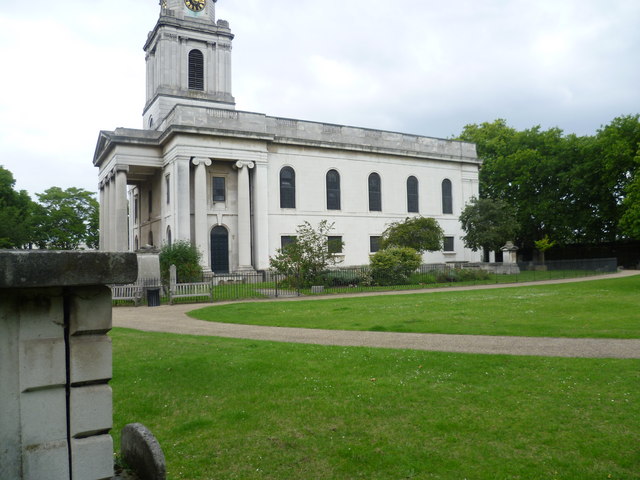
<point>16,213</point>
<point>630,220</point>
<point>66,219</point>
<point>488,224</point>
<point>309,255</point>
<point>571,188</point>
<point>543,245</point>
<point>185,257</point>
<point>394,265</point>
<point>419,233</point>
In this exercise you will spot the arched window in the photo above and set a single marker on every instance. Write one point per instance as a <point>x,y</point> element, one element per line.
<point>412,195</point>
<point>169,236</point>
<point>287,188</point>
<point>447,196</point>
<point>333,190</point>
<point>136,242</point>
<point>375,193</point>
<point>196,70</point>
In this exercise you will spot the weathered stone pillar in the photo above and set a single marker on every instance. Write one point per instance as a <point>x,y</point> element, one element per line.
<point>182,217</point>
<point>121,209</point>
<point>103,209</point>
<point>260,217</point>
<point>111,221</point>
<point>55,363</point>
<point>244,217</point>
<point>201,208</point>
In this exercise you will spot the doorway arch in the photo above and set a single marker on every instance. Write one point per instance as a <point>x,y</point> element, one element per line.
<point>220,250</point>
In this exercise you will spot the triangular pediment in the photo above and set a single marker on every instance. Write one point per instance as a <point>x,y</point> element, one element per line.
<point>104,139</point>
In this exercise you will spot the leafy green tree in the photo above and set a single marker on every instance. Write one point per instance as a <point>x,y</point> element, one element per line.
<point>66,219</point>
<point>543,245</point>
<point>630,220</point>
<point>308,256</point>
<point>419,233</point>
<point>16,213</point>
<point>185,257</point>
<point>575,189</point>
<point>488,224</point>
<point>394,265</point>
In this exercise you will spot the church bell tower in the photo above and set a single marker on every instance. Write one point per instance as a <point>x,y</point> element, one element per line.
<point>188,56</point>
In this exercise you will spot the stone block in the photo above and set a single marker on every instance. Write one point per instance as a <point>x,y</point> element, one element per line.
<point>90,358</point>
<point>142,453</point>
<point>92,458</point>
<point>50,461</point>
<point>41,313</point>
<point>42,363</point>
<point>91,410</point>
<point>43,416</point>
<point>90,310</point>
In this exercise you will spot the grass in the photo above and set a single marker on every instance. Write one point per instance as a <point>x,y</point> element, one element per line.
<point>597,309</point>
<point>236,409</point>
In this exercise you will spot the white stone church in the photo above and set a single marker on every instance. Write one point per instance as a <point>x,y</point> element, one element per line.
<point>237,184</point>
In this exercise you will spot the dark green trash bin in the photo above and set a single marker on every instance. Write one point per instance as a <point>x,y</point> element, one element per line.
<point>153,297</point>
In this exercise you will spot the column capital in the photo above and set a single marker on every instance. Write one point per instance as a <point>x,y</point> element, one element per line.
<point>240,164</point>
<point>121,168</point>
<point>197,161</point>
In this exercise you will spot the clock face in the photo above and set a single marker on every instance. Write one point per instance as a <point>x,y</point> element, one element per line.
<point>195,5</point>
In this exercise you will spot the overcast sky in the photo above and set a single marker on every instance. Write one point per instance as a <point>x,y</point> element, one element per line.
<point>71,68</point>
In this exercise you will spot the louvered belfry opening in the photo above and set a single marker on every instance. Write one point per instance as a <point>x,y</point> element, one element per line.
<point>196,70</point>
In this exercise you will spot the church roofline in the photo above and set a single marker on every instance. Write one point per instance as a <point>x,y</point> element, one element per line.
<point>288,131</point>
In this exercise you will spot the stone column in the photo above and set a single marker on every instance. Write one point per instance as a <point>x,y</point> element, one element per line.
<point>55,363</point>
<point>121,209</point>
<point>103,207</point>
<point>111,221</point>
<point>260,217</point>
<point>244,217</point>
<point>201,206</point>
<point>182,217</point>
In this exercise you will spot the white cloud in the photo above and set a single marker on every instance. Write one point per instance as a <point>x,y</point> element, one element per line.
<point>75,67</point>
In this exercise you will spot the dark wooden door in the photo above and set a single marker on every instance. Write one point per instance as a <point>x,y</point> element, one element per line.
<point>220,250</point>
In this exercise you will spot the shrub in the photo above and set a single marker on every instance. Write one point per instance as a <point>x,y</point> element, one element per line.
<point>394,265</point>
<point>305,260</point>
<point>451,275</point>
<point>185,257</point>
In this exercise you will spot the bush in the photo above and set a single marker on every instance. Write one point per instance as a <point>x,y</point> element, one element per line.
<point>305,260</point>
<point>461,275</point>
<point>394,265</point>
<point>185,257</point>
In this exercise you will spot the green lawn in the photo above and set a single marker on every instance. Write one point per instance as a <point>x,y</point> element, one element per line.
<point>598,308</point>
<point>236,409</point>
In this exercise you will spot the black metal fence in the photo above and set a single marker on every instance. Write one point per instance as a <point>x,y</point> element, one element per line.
<point>267,284</point>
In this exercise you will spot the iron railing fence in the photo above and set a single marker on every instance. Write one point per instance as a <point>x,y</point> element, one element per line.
<point>269,284</point>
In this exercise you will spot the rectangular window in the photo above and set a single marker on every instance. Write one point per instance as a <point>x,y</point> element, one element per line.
<point>374,244</point>
<point>287,240</point>
<point>219,193</point>
<point>448,244</point>
<point>167,186</point>
<point>334,244</point>
<point>136,208</point>
<point>150,202</point>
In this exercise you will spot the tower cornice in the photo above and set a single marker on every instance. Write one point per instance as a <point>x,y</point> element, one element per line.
<point>220,29</point>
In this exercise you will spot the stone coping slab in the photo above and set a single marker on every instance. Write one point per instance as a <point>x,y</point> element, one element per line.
<point>49,268</point>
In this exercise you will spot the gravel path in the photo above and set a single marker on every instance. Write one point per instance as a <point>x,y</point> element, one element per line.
<point>173,319</point>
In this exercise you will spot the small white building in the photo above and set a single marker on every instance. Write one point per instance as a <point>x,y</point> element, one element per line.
<point>237,184</point>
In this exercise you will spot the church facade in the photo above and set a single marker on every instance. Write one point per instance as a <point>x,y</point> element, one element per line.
<point>237,184</point>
